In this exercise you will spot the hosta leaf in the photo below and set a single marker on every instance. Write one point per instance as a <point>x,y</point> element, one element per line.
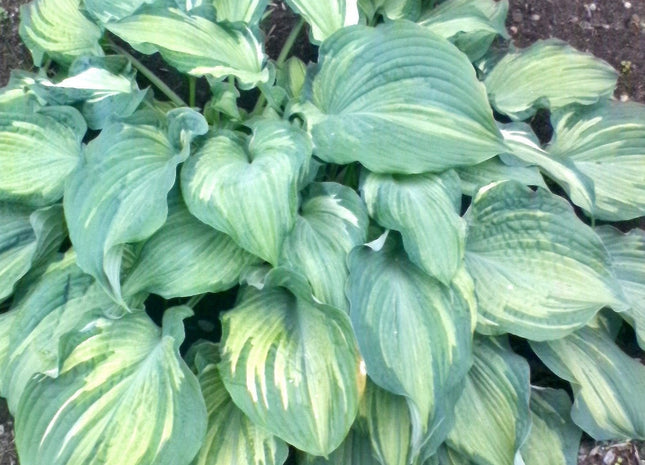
<point>414,334</point>
<point>292,366</point>
<point>474,177</point>
<point>607,384</point>
<point>391,9</point>
<point>332,221</point>
<point>522,143</point>
<point>627,252</point>
<point>6,322</point>
<point>355,450</point>
<point>58,29</point>
<point>548,74</point>
<point>554,439</point>
<point>118,194</point>
<point>186,257</point>
<point>103,87</point>
<point>291,76</point>
<point>180,39</point>
<point>57,303</point>
<point>26,238</point>
<point>113,10</point>
<point>123,395</point>
<point>398,99</point>
<point>247,186</point>
<point>248,11</point>
<point>607,144</point>
<point>425,209</point>
<point>539,272</point>
<point>471,25</point>
<point>327,17</point>
<point>38,151</point>
<point>497,396</point>
<point>231,438</point>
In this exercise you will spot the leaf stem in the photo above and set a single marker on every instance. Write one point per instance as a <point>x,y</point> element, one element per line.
<point>152,77</point>
<point>192,85</point>
<point>194,300</point>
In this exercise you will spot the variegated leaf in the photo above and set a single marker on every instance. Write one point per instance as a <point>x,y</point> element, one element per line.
<point>247,11</point>
<point>327,17</point>
<point>477,176</point>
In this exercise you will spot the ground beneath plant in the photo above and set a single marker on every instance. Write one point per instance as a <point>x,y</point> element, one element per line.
<point>613,30</point>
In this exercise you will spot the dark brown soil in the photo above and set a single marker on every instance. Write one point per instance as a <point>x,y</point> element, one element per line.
<point>611,29</point>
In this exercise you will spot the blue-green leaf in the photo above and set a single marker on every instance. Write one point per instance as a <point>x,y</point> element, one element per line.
<point>477,176</point>
<point>355,450</point>
<point>123,395</point>
<point>398,99</point>
<point>247,11</point>
<point>113,10</point>
<point>425,209</point>
<point>539,271</point>
<point>247,186</point>
<point>391,9</point>
<point>292,366</point>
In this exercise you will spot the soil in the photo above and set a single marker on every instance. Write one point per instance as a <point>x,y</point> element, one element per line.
<point>613,30</point>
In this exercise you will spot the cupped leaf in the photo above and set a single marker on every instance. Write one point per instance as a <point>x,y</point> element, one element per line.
<point>181,39</point>
<point>471,25</point>
<point>38,151</point>
<point>425,209</point>
<point>26,239</point>
<point>247,186</point>
<point>398,99</point>
<point>332,221</point>
<point>123,395</point>
<point>539,272</point>
<point>292,366</point>
<point>414,333</point>
<point>522,143</point>
<point>247,11</point>
<point>477,176</point>
<point>113,10</point>
<point>607,144</point>
<point>391,9</point>
<point>554,438</point>
<point>497,396</point>
<point>607,384</point>
<point>102,87</point>
<point>327,17</point>
<point>627,252</point>
<point>61,299</point>
<point>58,29</point>
<point>186,257</point>
<point>118,195</point>
<point>355,450</point>
<point>548,74</point>
<point>231,438</point>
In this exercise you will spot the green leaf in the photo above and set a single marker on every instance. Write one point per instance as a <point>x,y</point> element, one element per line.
<point>539,272</point>
<point>6,323</point>
<point>425,209</point>
<point>554,439</point>
<point>548,74</point>
<point>414,333</point>
<point>497,396</point>
<point>38,151</point>
<point>123,395</point>
<point>327,17</point>
<point>398,99</point>
<point>247,186</point>
<point>292,366</point>
<point>391,9</point>
<point>117,195</point>
<point>231,438</point>
<point>180,38</point>
<point>247,11</point>
<point>27,238</point>
<point>61,299</point>
<point>627,252</point>
<point>355,450</point>
<point>58,29</point>
<point>291,76</point>
<point>477,176</point>
<point>472,25</point>
<point>185,257</point>
<point>113,10</point>
<point>607,144</point>
<point>607,384</point>
<point>103,87</point>
<point>332,221</point>
<point>522,143</point>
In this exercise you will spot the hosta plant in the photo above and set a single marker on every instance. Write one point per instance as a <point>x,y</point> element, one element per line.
<point>375,261</point>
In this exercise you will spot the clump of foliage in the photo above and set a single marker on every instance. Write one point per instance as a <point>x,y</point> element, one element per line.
<point>384,218</point>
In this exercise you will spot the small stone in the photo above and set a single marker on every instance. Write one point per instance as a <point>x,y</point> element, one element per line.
<point>628,5</point>
<point>610,457</point>
<point>513,29</point>
<point>592,7</point>
<point>574,19</point>
<point>624,97</point>
<point>1,430</point>
<point>535,17</point>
